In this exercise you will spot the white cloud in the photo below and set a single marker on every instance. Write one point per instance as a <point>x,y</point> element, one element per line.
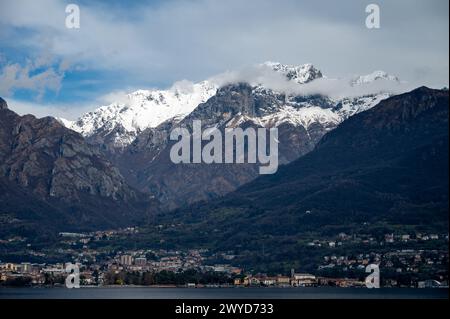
<point>262,74</point>
<point>119,96</point>
<point>38,76</point>
<point>340,88</point>
<point>194,39</point>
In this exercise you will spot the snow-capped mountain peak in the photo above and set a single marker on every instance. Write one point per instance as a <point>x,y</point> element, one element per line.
<point>374,76</point>
<point>144,109</point>
<point>119,123</point>
<point>298,73</point>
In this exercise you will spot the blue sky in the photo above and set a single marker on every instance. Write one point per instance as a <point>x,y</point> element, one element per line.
<point>46,68</point>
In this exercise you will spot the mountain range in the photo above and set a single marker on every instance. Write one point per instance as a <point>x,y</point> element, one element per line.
<point>134,133</point>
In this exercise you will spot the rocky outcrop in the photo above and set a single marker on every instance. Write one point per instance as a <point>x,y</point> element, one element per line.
<point>56,162</point>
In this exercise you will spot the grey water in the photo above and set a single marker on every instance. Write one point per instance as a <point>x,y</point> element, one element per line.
<point>221,293</point>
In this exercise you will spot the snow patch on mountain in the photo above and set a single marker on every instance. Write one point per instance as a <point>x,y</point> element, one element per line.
<point>64,122</point>
<point>348,107</point>
<point>307,114</point>
<point>304,116</point>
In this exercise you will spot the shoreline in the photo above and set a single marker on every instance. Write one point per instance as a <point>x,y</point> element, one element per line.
<point>256,293</point>
<point>220,287</point>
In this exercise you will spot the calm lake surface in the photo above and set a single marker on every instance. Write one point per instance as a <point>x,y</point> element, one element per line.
<point>221,293</point>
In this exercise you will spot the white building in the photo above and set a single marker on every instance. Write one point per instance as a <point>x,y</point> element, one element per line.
<point>126,260</point>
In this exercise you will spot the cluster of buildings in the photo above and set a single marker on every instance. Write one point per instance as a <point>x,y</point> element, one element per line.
<point>171,260</point>
<point>34,273</point>
<point>295,280</point>
<point>368,239</point>
<point>399,261</point>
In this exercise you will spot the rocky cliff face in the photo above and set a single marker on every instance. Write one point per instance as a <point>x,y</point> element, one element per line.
<point>55,162</point>
<point>146,162</point>
<point>58,166</point>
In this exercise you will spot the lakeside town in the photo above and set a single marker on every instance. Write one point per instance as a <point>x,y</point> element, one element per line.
<point>101,265</point>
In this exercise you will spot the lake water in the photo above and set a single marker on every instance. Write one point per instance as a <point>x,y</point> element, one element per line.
<point>221,293</point>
